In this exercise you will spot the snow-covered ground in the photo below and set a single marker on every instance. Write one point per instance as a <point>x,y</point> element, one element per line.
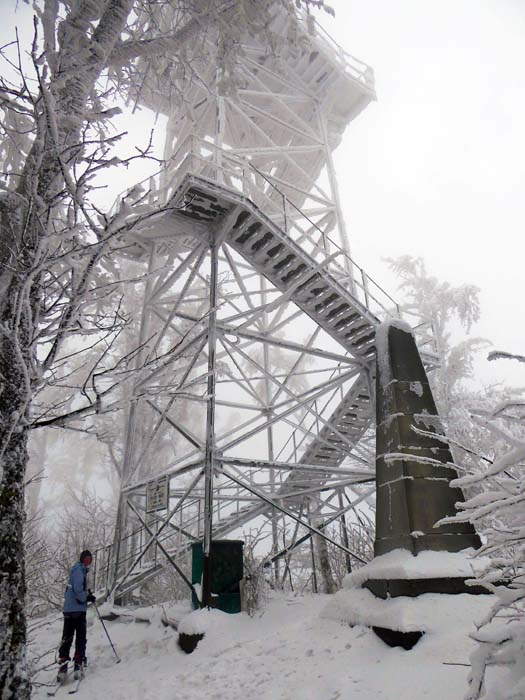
<point>298,648</point>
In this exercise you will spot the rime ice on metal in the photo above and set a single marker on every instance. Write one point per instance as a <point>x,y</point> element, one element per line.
<point>263,324</point>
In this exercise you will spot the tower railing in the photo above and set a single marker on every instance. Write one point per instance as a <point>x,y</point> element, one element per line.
<point>203,159</point>
<point>353,67</point>
<point>230,500</point>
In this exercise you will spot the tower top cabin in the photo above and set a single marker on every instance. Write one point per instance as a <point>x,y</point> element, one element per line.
<point>283,108</point>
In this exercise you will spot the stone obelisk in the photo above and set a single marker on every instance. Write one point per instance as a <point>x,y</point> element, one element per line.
<point>414,470</point>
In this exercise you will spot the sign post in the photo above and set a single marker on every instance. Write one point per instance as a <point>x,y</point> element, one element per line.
<point>157,495</point>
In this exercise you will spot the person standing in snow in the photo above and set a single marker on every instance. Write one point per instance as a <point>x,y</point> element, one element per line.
<point>76,598</point>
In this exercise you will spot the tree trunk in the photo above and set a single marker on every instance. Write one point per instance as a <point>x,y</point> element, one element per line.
<point>14,682</point>
<point>24,219</point>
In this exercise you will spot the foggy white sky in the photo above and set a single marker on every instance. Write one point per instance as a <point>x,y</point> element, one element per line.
<point>436,167</point>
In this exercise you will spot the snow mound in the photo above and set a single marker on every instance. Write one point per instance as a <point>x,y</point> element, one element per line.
<point>402,564</point>
<point>292,650</point>
<point>201,621</point>
<point>430,612</point>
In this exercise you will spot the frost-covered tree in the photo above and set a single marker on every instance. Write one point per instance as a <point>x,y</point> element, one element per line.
<point>427,297</point>
<point>498,511</point>
<point>486,429</point>
<point>57,98</point>
<point>452,311</point>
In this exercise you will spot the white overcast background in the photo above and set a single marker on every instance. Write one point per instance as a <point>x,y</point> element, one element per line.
<point>436,167</point>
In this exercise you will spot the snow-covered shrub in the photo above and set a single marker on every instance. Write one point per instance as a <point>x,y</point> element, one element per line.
<point>254,587</point>
<point>446,308</point>
<point>167,586</point>
<point>44,578</point>
<point>360,536</point>
<point>51,548</point>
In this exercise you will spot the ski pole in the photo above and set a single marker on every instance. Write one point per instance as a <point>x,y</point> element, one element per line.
<point>105,630</point>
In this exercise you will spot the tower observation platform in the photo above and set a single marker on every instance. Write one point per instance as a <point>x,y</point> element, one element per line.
<point>256,400</point>
<point>285,113</point>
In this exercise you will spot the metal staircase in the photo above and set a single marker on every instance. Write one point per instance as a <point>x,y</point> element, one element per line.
<point>315,277</point>
<point>244,174</point>
<point>311,271</point>
<point>351,418</point>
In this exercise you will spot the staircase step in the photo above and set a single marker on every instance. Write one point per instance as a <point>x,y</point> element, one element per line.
<point>356,335</point>
<point>284,263</point>
<point>264,241</point>
<point>292,275</point>
<point>248,232</point>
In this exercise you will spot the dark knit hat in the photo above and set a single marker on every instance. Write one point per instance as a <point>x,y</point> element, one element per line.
<point>83,555</point>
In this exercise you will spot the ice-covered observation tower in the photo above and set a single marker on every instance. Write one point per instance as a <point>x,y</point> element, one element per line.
<point>256,328</point>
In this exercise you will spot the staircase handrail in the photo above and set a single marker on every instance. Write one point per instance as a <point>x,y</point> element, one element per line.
<point>190,158</point>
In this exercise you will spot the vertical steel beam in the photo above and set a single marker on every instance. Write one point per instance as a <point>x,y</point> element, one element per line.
<point>209,464</point>
<point>315,588</point>
<point>129,443</point>
<point>269,433</point>
<point>219,129</point>
<point>344,532</point>
<point>334,189</point>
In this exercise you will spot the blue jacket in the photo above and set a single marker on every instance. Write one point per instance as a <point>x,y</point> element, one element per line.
<point>75,598</point>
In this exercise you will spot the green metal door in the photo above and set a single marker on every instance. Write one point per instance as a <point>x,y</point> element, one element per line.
<point>226,572</point>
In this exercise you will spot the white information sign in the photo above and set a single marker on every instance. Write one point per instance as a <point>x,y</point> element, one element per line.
<point>157,494</point>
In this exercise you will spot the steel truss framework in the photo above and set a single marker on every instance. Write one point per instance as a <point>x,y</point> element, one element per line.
<point>258,406</point>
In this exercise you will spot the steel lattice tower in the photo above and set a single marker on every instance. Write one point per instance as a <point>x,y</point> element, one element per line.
<point>261,326</point>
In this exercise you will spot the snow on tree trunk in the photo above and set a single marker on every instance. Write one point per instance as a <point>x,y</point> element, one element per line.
<point>14,682</point>
<point>24,243</point>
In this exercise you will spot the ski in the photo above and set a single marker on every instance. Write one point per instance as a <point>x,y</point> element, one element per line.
<point>78,681</point>
<point>75,688</point>
<point>51,693</point>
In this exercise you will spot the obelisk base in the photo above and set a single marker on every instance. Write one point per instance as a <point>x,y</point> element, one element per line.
<point>398,578</point>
